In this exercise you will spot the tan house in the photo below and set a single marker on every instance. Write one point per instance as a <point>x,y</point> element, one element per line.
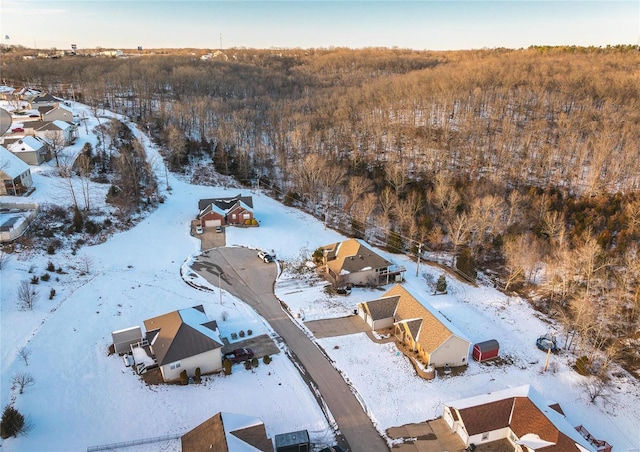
<point>59,131</point>
<point>226,211</point>
<point>184,340</point>
<point>15,174</point>
<point>418,326</point>
<point>31,150</point>
<point>518,419</point>
<point>353,262</point>
<point>59,112</point>
<point>227,432</point>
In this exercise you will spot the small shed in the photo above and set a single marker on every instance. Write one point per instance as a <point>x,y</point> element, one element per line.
<point>122,339</point>
<point>293,442</point>
<point>483,351</point>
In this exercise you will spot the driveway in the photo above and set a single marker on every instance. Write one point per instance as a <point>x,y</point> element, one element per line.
<point>210,238</point>
<point>245,276</point>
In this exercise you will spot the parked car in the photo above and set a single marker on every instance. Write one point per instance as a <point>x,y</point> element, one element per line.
<point>239,355</point>
<point>199,230</point>
<point>218,229</point>
<point>266,257</point>
<point>17,130</point>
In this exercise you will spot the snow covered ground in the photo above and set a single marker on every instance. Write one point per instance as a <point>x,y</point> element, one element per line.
<point>83,397</point>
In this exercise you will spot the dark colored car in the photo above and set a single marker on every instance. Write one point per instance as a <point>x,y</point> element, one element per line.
<point>239,355</point>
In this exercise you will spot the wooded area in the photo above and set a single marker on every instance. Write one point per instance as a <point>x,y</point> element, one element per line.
<point>522,163</point>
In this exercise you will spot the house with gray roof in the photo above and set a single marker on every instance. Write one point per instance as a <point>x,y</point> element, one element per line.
<point>226,211</point>
<point>227,432</point>
<point>184,340</point>
<point>31,150</point>
<point>15,174</point>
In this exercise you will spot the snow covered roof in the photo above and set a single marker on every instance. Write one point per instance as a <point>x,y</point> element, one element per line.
<point>182,334</point>
<point>228,432</point>
<point>27,144</point>
<point>11,165</point>
<point>526,412</point>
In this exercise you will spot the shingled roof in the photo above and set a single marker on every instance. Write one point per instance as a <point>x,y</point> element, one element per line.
<point>382,308</point>
<point>436,328</point>
<point>526,413</point>
<point>352,256</point>
<point>180,334</point>
<point>227,432</point>
<point>225,204</point>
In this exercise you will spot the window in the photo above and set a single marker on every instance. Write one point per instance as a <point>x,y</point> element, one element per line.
<point>175,365</point>
<point>233,215</point>
<point>246,216</point>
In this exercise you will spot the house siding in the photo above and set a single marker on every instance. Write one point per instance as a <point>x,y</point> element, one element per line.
<point>454,351</point>
<point>208,362</point>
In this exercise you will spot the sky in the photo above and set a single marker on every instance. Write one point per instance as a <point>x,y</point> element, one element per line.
<point>69,334</point>
<point>420,25</point>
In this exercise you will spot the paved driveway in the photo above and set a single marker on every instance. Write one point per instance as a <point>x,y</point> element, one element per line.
<point>244,275</point>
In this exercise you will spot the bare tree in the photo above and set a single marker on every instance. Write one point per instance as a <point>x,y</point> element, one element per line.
<point>56,144</point>
<point>27,296</point>
<point>21,380</point>
<point>65,171</point>
<point>86,262</point>
<point>24,353</point>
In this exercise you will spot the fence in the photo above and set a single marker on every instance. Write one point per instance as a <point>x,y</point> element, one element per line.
<point>136,442</point>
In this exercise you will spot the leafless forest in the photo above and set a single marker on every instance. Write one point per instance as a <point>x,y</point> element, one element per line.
<point>521,163</point>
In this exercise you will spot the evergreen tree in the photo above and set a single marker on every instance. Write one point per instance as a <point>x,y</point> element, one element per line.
<point>465,263</point>
<point>12,422</point>
<point>441,285</point>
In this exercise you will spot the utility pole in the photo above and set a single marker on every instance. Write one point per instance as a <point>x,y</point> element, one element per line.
<point>220,287</point>
<point>419,254</point>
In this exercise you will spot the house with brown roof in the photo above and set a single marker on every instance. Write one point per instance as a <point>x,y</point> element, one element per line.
<point>226,211</point>
<point>353,262</point>
<point>521,417</point>
<point>184,340</point>
<point>227,432</point>
<point>418,326</point>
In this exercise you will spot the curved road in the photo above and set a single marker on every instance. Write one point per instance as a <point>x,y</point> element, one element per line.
<point>245,276</point>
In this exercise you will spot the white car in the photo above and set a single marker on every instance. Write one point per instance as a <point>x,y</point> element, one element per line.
<point>266,257</point>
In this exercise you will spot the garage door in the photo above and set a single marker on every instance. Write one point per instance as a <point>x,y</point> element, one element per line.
<point>210,223</point>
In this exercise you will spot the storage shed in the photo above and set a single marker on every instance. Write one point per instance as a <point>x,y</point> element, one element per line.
<point>293,442</point>
<point>486,350</point>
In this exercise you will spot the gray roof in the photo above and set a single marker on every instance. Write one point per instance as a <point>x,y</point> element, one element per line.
<point>383,308</point>
<point>11,165</point>
<point>225,203</point>
<point>181,334</point>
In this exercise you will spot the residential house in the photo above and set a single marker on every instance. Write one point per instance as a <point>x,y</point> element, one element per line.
<point>31,150</point>
<point>418,326</point>
<point>15,174</point>
<point>226,211</point>
<point>59,112</point>
<point>42,101</point>
<point>58,131</point>
<point>353,262</point>
<point>227,432</point>
<point>184,340</point>
<point>520,419</point>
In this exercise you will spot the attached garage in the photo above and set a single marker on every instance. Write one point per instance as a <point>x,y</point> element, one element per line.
<point>486,350</point>
<point>212,223</point>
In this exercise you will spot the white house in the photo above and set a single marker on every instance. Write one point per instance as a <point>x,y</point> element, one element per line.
<point>15,174</point>
<point>520,417</point>
<point>184,340</point>
<point>62,131</point>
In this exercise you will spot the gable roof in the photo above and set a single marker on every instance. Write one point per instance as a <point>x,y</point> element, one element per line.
<point>531,418</point>
<point>59,107</point>
<point>45,98</point>
<point>434,329</point>
<point>228,432</point>
<point>27,144</point>
<point>352,255</point>
<point>54,125</point>
<point>11,165</point>
<point>181,334</point>
<point>382,308</point>
<point>225,204</point>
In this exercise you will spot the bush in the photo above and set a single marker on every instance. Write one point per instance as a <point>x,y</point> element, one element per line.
<point>266,359</point>
<point>51,267</point>
<point>78,221</point>
<point>35,280</point>
<point>91,227</point>
<point>227,366</point>
<point>12,422</point>
<point>241,333</point>
<point>45,277</point>
<point>197,377</point>
<point>184,378</point>
<point>254,362</point>
<point>247,364</point>
<point>249,332</point>
<point>52,293</point>
<point>441,285</point>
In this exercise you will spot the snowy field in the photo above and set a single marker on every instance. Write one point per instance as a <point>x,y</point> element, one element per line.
<point>83,397</point>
